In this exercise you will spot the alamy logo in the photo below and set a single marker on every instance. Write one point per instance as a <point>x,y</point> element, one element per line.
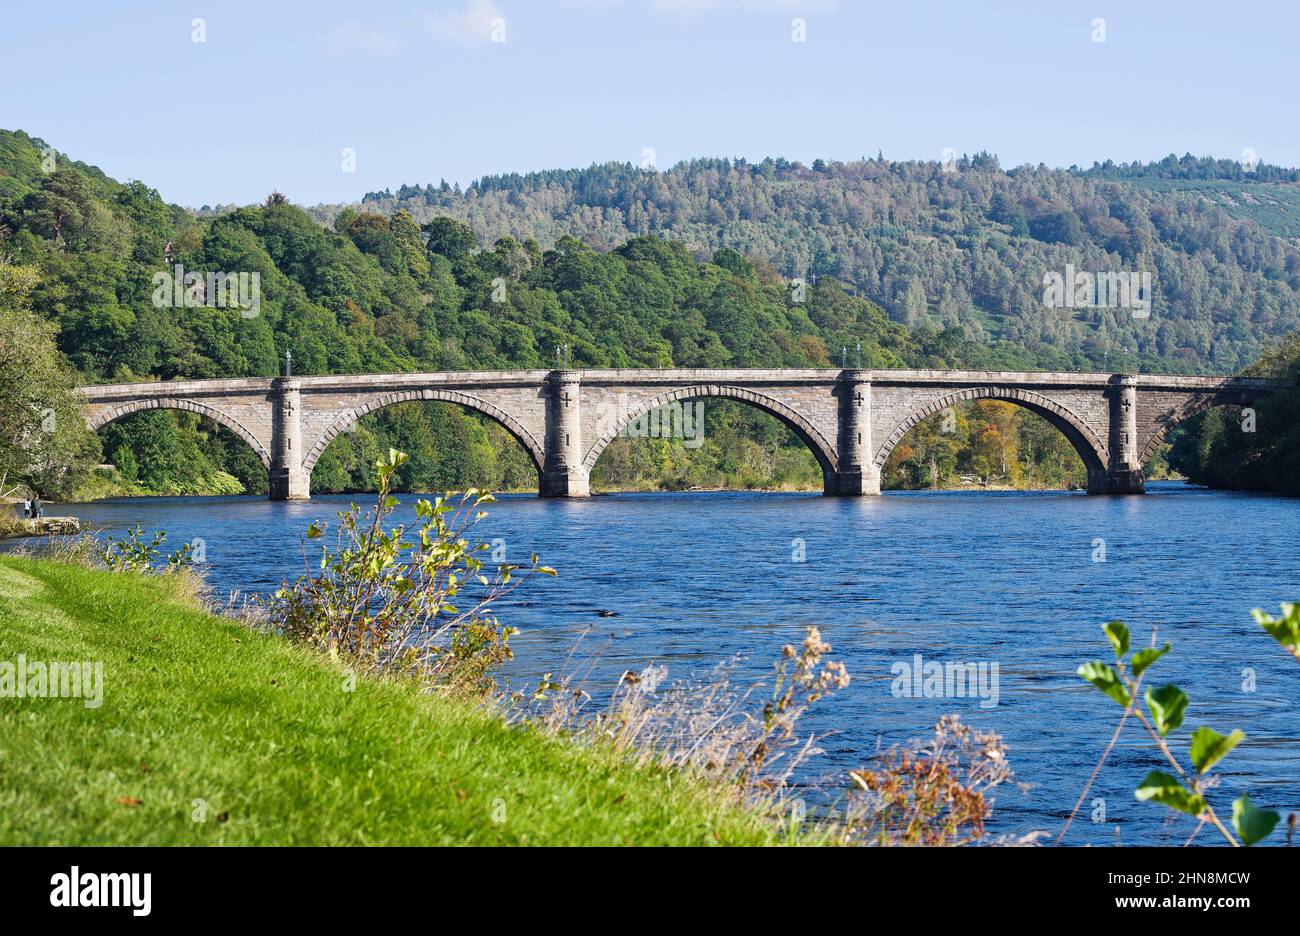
<point>35,679</point>
<point>1085,290</point>
<point>674,420</point>
<point>180,290</point>
<point>921,679</point>
<point>102,890</point>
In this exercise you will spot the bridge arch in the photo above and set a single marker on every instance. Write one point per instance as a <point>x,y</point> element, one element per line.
<point>107,416</point>
<point>348,419</point>
<point>1191,407</point>
<point>823,450</point>
<point>1081,436</point>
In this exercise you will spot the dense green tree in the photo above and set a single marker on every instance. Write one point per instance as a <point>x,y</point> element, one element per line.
<point>44,445</point>
<point>1258,447</point>
<point>449,238</point>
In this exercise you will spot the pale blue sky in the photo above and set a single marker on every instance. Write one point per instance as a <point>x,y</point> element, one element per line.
<point>420,91</point>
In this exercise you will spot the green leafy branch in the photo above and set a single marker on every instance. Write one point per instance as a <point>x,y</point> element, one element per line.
<point>1184,790</point>
<point>1285,630</point>
<point>133,553</point>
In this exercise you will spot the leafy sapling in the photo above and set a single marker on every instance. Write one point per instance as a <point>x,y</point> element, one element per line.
<point>132,553</point>
<point>414,600</point>
<point>1184,790</point>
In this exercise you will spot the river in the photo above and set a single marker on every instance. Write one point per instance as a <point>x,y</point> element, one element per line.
<point>1005,578</point>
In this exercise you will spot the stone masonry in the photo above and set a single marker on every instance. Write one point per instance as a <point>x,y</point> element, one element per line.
<point>850,419</point>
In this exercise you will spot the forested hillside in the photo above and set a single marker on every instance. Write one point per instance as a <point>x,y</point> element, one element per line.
<point>966,247</point>
<point>687,268</point>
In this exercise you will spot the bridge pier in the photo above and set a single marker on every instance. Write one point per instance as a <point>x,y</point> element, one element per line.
<point>1123,481</point>
<point>1124,473</point>
<point>857,473</point>
<point>289,481</point>
<point>563,474</point>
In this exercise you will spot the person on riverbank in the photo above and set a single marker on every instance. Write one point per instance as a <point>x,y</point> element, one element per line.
<point>37,507</point>
<point>27,508</point>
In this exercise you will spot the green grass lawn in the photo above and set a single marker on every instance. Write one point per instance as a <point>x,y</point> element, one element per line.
<point>196,707</point>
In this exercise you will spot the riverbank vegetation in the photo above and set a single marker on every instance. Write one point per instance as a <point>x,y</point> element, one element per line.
<point>1255,448</point>
<point>44,445</point>
<point>984,442</point>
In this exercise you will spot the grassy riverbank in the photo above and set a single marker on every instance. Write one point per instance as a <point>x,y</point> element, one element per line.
<point>201,715</point>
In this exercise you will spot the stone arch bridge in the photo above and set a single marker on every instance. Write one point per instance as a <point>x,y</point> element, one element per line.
<point>851,420</point>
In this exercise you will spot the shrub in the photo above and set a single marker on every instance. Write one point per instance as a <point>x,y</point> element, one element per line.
<point>383,598</point>
<point>704,726</point>
<point>932,795</point>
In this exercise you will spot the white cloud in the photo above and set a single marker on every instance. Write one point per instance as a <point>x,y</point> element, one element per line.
<point>469,25</point>
<point>353,37</point>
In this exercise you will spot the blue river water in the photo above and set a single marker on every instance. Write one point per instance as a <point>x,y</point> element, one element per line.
<point>1011,579</point>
